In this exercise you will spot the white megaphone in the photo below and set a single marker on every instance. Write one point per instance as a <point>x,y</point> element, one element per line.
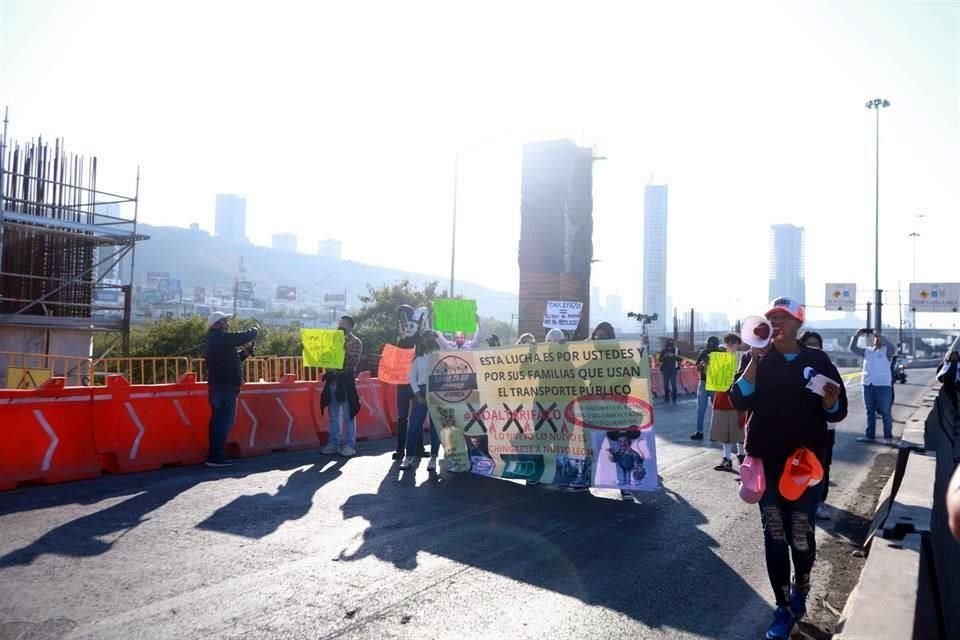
<point>756,332</point>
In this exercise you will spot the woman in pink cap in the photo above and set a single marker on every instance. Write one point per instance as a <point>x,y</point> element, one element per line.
<point>784,415</point>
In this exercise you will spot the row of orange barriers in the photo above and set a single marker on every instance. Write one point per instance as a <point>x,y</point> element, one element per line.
<point>59,433</point>
<point>688,378</point>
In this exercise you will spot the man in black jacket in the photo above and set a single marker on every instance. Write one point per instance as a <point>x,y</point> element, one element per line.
<point>784,415</point>
<point>225,351</point>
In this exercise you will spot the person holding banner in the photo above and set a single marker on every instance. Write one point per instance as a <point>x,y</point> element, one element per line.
<point>726,423</point>
<point>791,392</point>
<point>340,394</point>
<point>419,375</point>
<point>704,397</point>
<point>460,342</point>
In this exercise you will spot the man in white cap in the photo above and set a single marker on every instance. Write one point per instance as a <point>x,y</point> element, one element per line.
<point>224,351</point>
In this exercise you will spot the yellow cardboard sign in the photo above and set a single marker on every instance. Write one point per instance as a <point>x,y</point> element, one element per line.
<point>323,348</point>
<point>721,369</point>
<point>576,414</point>
<point>20,378</point>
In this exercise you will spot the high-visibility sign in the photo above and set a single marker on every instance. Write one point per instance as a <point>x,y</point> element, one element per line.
<point>928,296</point>
<point>20,378</point>
<point>841,296</point>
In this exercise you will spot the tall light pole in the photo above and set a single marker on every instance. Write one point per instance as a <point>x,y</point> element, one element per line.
<point>913,350</point>
<point>877,104</point>
<point>453,242</point>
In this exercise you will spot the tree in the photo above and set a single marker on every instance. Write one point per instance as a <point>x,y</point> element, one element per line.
<point>503,330</point>
<point>377,319</point>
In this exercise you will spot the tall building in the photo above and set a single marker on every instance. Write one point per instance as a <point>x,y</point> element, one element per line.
<point>655,255</point>
<point>787,262</point>
<point>285,242</point>
<point>231,218</point>
<point>330,248</point>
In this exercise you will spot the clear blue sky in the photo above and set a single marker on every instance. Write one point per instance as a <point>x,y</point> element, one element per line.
<point>343,120</point>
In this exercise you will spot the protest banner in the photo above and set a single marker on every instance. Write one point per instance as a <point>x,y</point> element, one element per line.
<point>455,314</point>
<point>395,365</point>
<point>576,414</point>
<point>323,348</point>
<point>721,369</point>
<point>562,315</point>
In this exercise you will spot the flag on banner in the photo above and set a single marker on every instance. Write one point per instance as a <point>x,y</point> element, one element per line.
<point>323,348</point>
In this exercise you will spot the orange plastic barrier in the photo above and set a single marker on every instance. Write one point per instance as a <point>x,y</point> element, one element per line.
<point>46,434</point>
<point>656,383</point>
<point>274,417</point>
<point>149,426</point>
<point>688,380</point>
<point>372,421</point>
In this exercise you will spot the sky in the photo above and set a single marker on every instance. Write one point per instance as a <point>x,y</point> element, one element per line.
<point>346,119</point>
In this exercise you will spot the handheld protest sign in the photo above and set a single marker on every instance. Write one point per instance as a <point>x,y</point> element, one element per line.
<point>562,315</point>
<point>323,348</point>
<point>454,314</point>
<point>395,364</point>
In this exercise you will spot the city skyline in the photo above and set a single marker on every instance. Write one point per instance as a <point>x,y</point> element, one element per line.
<point>738,154</point>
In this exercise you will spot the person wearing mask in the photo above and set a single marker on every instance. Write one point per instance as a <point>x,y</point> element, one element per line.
<point>340,394</point>
<point>726,423</point>
<point>785,415</point>
<point>877,384</point>
<point>460,342</point>
<point>224,351</point>
<point>704,397</point>
<point>813,340</point>
<point>419,375</point>
<point>669,361</point>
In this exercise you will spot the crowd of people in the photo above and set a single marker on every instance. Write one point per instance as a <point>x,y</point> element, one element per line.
<point>770,418</point>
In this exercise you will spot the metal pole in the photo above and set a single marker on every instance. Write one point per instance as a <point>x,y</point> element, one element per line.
<point>913,313</point>
<point>876,239</point>
<point>453,242</point>
<point>3,152</point>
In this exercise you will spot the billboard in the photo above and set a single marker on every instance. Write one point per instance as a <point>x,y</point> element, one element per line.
<point>841,296</point>
<point>287,293</point>
<point>244,290</point>
<point>335,299</point>
<point>935,297</point>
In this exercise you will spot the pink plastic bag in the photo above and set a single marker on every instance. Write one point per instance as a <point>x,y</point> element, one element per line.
<point>753,483</point>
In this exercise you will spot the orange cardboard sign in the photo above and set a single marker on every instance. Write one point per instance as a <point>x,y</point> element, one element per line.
<point>395,365</point>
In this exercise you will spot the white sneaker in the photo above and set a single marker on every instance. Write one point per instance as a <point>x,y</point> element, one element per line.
<point>348,451</point>
<point>329,450</point>
<point>409,462</point>
<point>432,465</point>
<point>888,441</point>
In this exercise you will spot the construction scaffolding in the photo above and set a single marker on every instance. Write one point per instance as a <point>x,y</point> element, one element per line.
<point>62,242</point>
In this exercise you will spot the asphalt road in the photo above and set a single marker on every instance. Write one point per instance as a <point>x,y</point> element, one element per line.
<point>305,546</point>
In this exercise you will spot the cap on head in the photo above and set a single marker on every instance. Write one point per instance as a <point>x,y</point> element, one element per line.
<point>555,335</point>
<point>787,305</point>
<point>216,317</point>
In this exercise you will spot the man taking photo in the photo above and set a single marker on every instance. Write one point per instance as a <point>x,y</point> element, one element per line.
<point>224,350</point>
<point>877,383</point>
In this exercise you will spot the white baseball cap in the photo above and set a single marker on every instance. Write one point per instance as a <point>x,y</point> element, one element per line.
<point>216,317</point>
<point>788,305</point>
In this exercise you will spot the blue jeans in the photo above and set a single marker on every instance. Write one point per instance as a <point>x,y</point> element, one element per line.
<point>421,413</point>
<point>670,383</point>
<point>223,412</point>
<point>788,530</point>
<point>878,400</point>
<point>340,416</point>
<point>404,399</point>
<point>704,398</point>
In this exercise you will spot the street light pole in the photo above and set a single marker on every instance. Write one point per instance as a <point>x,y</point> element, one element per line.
<point>453,243</point>
<point>877,104</point>
<point>913,350</point>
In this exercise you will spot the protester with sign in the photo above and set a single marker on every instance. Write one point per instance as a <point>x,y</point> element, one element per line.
<point>790,392</point>
<point>460,342</point>
<point>224,351</point>
<point>562,315</point>
<point>726,423</point>
<point>877,383</point>
<point>454,315</point>
<point>340,394</point>
<point>419,377</point>
<point>411,324</point>
<point>704,397</point>
<point>669,362</point>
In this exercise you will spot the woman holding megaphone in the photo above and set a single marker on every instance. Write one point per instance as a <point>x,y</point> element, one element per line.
<point>790,393</point>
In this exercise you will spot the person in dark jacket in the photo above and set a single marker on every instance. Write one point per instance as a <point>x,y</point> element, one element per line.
<point>224,350</point>
<point>669,361</point>
<point>340,394</point>
<point>784,415</point>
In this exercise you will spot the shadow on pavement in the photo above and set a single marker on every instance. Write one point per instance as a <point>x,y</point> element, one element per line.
<point>261,514</point>
<point>638,559</point>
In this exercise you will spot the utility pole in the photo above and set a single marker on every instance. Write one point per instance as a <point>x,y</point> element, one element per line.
<point>877,104</point>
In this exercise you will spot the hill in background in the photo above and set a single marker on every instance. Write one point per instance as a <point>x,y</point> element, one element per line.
<point>199,260</point>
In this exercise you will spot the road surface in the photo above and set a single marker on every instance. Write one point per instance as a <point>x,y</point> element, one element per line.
<point>301,545</point>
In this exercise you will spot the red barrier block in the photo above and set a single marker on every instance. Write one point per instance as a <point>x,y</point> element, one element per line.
<point>274,417</point>
<point>389,398</point>
<point>372,421</point>
<point>688,380</point>
<point>656,383</point>
<point>146,427</point>
<point>47,434</point>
